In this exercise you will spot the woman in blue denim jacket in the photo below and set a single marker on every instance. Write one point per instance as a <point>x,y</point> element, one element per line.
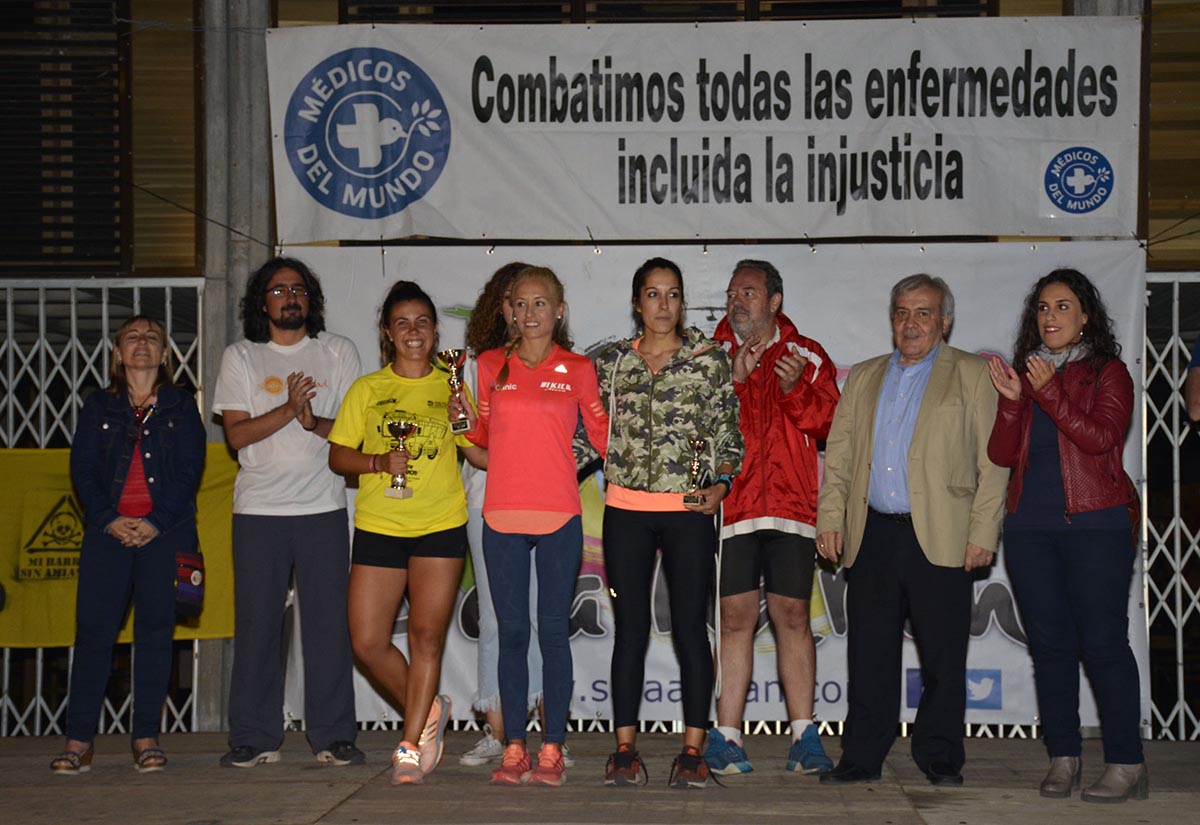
<point>136,461</point>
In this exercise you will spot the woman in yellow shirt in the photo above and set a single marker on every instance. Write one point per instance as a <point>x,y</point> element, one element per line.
<point>412,542</point>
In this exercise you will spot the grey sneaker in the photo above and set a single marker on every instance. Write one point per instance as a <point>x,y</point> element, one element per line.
<point>245,756</point>
<point>342,753</point>
<point>487,749</point>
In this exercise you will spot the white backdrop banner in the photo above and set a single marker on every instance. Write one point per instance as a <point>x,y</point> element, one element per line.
<point>837,294</point>
<point>996,126</point>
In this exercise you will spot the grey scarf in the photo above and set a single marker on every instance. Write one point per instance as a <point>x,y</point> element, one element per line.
<point>1060,359</point>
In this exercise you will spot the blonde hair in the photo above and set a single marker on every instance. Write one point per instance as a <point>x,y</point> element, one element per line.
<point>562,334</point>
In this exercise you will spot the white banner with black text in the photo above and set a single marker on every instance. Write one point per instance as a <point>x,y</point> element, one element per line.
<point>785,130</point>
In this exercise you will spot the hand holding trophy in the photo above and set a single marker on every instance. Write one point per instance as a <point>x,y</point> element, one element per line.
<point>697,445</point>
<point>399,429</point>
<point>454,359</point>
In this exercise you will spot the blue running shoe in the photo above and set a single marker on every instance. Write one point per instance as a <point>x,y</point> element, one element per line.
<point>725,757</point>
<point>806,754</point>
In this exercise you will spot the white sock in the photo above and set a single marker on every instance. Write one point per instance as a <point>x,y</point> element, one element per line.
<point>732,734</point>
<point>798,727</point>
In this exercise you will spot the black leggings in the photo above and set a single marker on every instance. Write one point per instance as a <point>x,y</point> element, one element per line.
<point>688,542</point>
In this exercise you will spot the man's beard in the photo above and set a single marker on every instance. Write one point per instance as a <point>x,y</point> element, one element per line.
<point>290,320</point>
<point>743,326</point>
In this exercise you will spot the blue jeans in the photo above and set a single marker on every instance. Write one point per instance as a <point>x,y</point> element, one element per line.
<point>109,573</point>
<point>487,696</point>
<point>1073,591</point>
<point>508,557</point>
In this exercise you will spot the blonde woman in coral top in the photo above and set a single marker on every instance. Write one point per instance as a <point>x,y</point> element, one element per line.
<point>532,394</point>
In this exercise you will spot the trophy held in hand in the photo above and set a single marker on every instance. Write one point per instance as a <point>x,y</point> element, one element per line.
<point>399,429</point>
<point>454,359</point>
<point>697,445</point>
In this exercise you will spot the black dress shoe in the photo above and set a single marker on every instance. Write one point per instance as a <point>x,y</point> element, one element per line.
<point>943,773</point>
<point>847,773</point>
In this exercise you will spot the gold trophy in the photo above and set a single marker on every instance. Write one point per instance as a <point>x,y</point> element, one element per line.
<point>697,445</point>
<point>453,359</point>
<point>399,429</point>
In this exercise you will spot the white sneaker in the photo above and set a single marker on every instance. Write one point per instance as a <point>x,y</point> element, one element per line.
<point>487,749</point>
<point>568,762</point>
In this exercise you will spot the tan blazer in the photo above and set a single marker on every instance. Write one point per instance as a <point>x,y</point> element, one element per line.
<point>956,493</point>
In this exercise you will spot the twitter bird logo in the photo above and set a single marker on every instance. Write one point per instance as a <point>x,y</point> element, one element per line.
<point>983,689</point>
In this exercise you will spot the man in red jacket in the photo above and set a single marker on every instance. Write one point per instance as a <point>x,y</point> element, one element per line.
<point>787,387</point>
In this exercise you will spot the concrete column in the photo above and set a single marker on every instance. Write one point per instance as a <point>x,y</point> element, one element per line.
<point>237,193</point>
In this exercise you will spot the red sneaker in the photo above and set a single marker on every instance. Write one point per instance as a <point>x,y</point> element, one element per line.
<point>624,766</point>
<point>550,769</point>
<point>689,770</point>
<point>514,766</point>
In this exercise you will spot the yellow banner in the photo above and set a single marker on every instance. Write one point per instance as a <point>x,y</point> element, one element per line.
<point>41,531</point>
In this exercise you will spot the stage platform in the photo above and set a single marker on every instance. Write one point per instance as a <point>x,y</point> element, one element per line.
<point>1001,780</point>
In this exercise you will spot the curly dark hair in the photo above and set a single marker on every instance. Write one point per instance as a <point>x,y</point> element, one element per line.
<point>639,281</point>
<point>487,328</point>
<point>255,324</point>
<point>400,292</point>
<point>1097,332</point>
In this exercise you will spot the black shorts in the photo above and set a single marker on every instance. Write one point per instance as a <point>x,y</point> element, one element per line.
<point>784,561</point>
<point>377,550</point>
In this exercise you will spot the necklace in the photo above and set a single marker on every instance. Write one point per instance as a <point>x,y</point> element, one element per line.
<point>141,409</point>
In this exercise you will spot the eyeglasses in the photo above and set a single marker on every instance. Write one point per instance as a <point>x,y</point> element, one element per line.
<point>297,291</point>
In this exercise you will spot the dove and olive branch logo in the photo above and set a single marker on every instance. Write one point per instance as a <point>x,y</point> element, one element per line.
<point>367,132</point>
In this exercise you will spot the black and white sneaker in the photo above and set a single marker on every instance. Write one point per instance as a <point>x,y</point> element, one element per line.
<point>342,753</point>
<point>246,756</point>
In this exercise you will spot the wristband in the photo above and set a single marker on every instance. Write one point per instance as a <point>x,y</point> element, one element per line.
<point>727,480</point>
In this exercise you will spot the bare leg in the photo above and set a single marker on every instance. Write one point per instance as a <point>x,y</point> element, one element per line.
<point>797,654</point>
<point>627,735</point>
<point>495,720</point>
<point>372,604</point>
<point>739,616</point>
<point>431,598</point>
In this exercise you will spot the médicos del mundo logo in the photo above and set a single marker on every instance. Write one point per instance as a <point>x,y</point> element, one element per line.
<point>1078,180</point>
<point>367,133</point>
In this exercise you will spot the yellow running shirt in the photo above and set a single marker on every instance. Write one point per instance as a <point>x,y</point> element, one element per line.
<point>438,501</point>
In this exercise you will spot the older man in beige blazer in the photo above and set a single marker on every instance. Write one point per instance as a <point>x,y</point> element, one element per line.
<point>911,505</point>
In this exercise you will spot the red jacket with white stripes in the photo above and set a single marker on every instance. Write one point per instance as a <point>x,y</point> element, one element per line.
<point>777,488</point>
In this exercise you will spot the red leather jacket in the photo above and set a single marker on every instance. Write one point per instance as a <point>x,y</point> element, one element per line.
<point>1092,417</point>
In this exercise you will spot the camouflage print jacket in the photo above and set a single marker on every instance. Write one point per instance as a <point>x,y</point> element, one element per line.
<point>652,416</point>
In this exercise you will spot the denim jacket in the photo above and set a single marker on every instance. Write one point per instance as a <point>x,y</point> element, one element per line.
<point>172,454</point>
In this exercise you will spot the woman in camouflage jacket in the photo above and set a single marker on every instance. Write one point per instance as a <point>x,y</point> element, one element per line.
<point>672,407</point>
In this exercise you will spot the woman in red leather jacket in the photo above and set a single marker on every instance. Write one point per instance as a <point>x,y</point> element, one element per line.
<point>1061,425</point>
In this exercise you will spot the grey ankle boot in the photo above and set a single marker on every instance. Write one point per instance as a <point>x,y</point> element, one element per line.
<point>1063,777</point>
<point>1118,783</point>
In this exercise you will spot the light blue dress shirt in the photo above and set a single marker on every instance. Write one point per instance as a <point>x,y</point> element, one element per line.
<point>895,418</point>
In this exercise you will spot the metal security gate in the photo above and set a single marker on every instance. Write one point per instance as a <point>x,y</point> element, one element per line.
<point>1172,462</point>
<point>54,351</point>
